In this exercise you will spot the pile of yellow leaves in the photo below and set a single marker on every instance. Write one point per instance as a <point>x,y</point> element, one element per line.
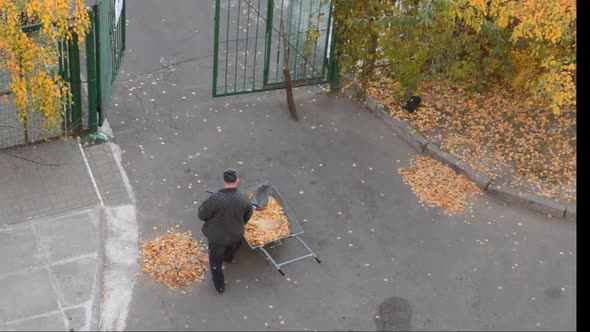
<point>272,211</point>
<point>438,185</point>
<point>510,136</point>
<point>174,259</point>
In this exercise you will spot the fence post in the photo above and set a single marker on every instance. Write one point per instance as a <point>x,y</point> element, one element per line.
<point>100,66</point>
<point>75,82</point>
<point>91,69</point>
<point>216,46</point>
<point>334,75</point>
<point>123,19</point>
<point>268,35</point>
<point>63,71</point>
<point>333,68</point>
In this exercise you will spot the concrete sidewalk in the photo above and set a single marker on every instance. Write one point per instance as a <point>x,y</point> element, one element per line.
<point>56,202</point>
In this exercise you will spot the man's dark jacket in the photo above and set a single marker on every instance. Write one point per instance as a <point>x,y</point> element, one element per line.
<point>225,213</point>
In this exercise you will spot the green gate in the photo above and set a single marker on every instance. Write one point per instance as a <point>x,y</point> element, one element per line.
<point>106,47</point>
<point>249,52</point>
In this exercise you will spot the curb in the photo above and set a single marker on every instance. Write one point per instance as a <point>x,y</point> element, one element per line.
<point>570,212</point>
<point>530,201</point>
<point>118,264</point>
<point>402,128</point>
<point>421,144</point>
<point>480,179</point>
<point>121,255</point>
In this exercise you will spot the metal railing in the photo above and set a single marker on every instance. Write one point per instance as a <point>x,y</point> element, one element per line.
<point>13,131</point>
<point>249,51</point>
<point>93,64</point>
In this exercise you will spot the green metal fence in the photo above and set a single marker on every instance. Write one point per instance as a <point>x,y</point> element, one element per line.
<point>102,52</point>
<point>249,51</point>
<point>106,48</point>
<point>13,132</point>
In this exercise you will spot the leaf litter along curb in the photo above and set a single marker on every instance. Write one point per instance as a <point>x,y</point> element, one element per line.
<point>508,135</point>
<point>175,259</point>
<point>438,184</point>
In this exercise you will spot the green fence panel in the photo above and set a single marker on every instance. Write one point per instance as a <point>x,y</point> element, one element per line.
<point>109,50</point>
<point>91,71</point>
<point>105,49</point>
<point>248,44</point>
<point>75,85</point>
<point>12,131</point>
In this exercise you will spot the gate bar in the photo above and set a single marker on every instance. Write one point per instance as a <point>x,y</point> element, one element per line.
<point>270,9</point>
<point>91,72</point>
<point>216,46</point>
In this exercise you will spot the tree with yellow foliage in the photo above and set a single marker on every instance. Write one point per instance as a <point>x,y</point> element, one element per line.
<point>543,43</point>
<point>32,58</point>
<point>530,44</point>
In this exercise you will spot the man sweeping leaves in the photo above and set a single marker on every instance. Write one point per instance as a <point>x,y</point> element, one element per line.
<point>225,214</point>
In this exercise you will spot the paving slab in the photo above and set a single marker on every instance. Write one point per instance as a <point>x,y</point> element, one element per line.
<point>76,319</point>
<point>51,233</point>
<point>19,250</point>
<point>107,175</point>
<point>26,294</point>
<point>44,179</point>
<point>70,236</point>
<point>74,281</point>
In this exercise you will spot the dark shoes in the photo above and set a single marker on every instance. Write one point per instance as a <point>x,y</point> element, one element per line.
<point>230,260</point>
<point>214,288</point>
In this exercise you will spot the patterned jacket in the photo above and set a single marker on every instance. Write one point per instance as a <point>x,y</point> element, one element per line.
<point>225,213</point>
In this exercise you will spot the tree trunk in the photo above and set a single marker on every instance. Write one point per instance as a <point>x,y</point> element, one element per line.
<point>287,73</point>
<point>369,65</point>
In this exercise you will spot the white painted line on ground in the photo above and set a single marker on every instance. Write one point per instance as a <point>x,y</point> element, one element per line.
<point>74,258</point>
<point>117,155</point>
<point>46,266</point>
<point>23,271</point>
<point>49,313</point>
<point>45,314</point>
<point>91,174</point>
<point>47,219</point>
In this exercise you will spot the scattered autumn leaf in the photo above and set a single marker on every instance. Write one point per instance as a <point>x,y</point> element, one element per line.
<point>438,185</point>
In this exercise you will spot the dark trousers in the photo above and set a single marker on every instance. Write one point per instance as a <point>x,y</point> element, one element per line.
<point>218,254</point>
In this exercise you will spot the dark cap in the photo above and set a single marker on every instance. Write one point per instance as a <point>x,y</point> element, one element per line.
<point>230,175</point>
